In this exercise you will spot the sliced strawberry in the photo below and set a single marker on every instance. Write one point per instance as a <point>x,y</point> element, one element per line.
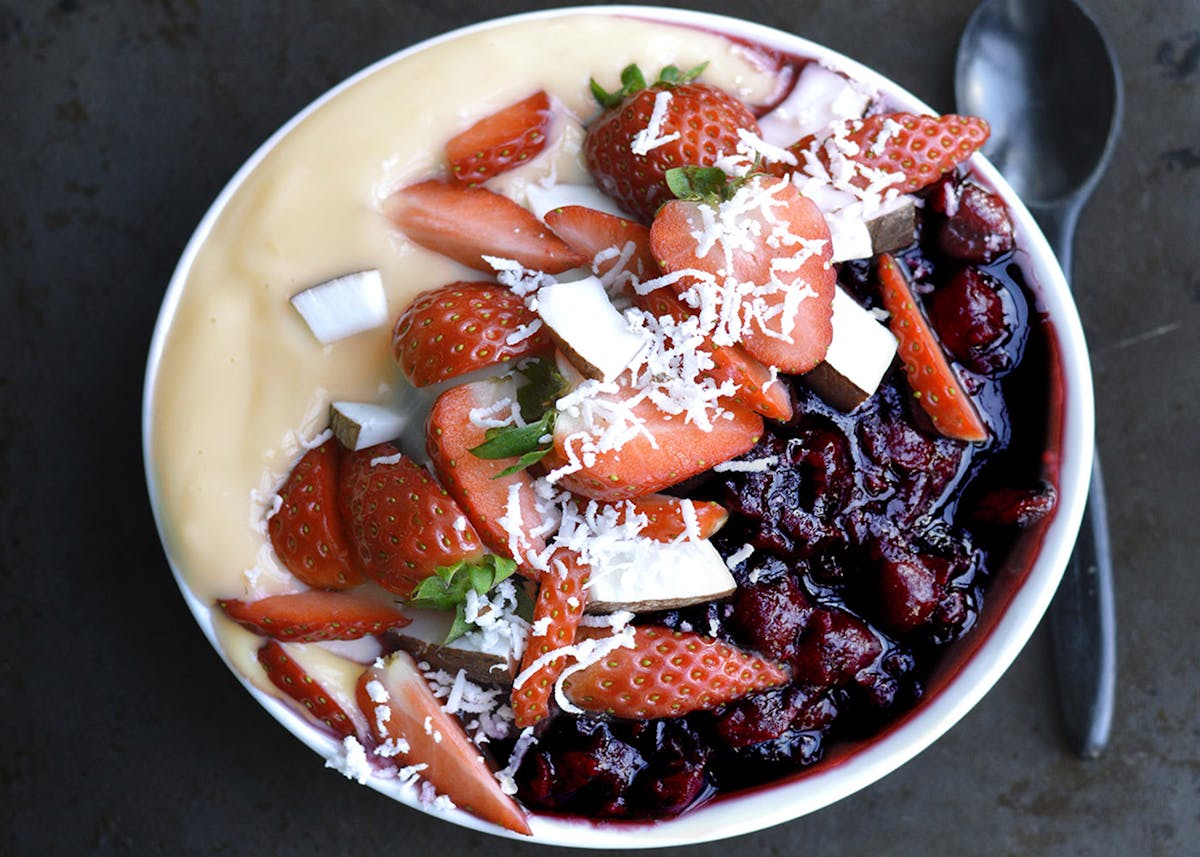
<point>561,598</point>
<point>767,251</point>
<point>606,241</point>
<point>461,327</point>
<point>467,223</point>
<point>320,681</point>
<point>758,387</point>
<point>314,616</point>
<point>401,522</point>
<point>668,452</point>
<point>922,148</point>
<point>668,674</point>
<point>307,531</point>
<point>668,519</point>
<point>406,717</point>
<point>935,386</point>
<point>501,141</point>
<point>475,482</point>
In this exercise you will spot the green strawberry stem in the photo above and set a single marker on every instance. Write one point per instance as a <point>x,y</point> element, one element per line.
<point>633,81</point>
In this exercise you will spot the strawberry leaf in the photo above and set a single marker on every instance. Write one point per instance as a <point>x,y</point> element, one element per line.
<point>701,184</point>
<point>529,458</point>
<point>632,80</point>
<point>508,441</point>
<point>672,76</point>
<point>536,399</point>
<point>543,385</point>
<point>447,588</point>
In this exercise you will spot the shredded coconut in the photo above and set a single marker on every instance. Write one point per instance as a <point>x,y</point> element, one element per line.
<point>758,465</point>
<point>525,741</point>
<point>740,555</point>
<point>351,761</point>
<point>651,136</point>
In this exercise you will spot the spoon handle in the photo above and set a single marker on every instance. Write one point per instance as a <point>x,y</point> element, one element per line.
<point>1082,615</point>
<point>1082,631</point>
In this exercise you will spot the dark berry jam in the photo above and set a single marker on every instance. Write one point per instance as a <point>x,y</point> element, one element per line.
<point>874,539</point>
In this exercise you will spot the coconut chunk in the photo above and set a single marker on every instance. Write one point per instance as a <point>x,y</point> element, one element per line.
<point>645,575</point>
<point>545,198</point>
<point>894,225</point>
<point>422,638</point>
<point>589,330</point>
<point>819,98</point>
<point>859,355</point>
<point>849,235</point>
<point>361,424</point>
<point>891,226</point>
<point>343,306</point>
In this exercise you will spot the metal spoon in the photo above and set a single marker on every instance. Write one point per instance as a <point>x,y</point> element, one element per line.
<point>1043,76</point>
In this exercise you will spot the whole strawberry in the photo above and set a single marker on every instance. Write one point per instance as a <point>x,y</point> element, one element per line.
<point>461,327</point>
<point>401,522</point>
<point>646,130</point>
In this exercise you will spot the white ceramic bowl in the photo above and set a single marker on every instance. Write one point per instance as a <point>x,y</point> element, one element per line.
<point>1018,595</point>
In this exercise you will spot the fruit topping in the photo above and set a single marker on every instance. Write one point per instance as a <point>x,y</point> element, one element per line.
<point>560,603</point>
<point>977,227</point>
<point>757,386</point>
<point>543,199</point>
<point>320,681</point>
<point>759,260</point>
<point>468,223</point>
<point>662,450</point>
<point>485,659</point>
<point>618,249</point>
<point>667,673</point>
<point>918,149</point>
<point>343,306</point>
<point>670,518</point>
<point>645,131</point>
<point>500,141</point>
<point>643,575</point>
<point>402,523</point>
<point>461,327</point>
<point>357,425</point>
<point>1015,507</point>
<point>589,330</point>
<point>411,726</point>
<point>497,499</point>
<point>859,355</point>
<point>314,616</point>
<point>306,530</point>
<point>970,318</point>
<point>935,385</point>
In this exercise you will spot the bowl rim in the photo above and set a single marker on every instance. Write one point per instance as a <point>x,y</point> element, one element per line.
<point>755,809</point>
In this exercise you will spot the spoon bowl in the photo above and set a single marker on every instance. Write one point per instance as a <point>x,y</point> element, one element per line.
<point>1042,74</point>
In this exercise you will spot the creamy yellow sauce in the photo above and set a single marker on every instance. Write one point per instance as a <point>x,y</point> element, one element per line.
<point>242,381</point>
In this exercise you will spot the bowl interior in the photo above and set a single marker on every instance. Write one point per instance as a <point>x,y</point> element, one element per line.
<point>1018,594</point>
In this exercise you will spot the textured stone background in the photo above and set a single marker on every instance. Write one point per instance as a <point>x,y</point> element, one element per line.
<point>124,734</point>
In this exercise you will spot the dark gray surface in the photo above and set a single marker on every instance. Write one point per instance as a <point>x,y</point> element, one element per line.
<point>124,734</point>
